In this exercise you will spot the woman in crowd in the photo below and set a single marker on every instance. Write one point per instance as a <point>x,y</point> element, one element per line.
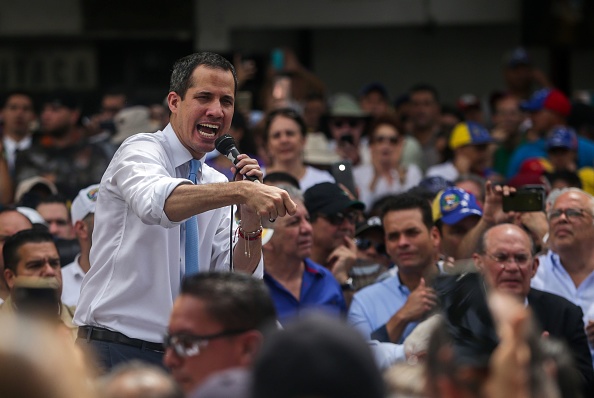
<point>284,137</point>
<point>386,174</point>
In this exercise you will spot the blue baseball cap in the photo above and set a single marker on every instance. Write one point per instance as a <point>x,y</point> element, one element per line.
<point>469,133</point>
<point>562,137</point>
<point>455,204</point>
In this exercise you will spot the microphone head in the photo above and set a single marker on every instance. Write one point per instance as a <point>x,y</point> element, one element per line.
<point>224,144</point>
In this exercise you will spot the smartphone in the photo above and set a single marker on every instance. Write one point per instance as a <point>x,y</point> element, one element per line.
<point>525,199</point>
<point>277,59</point>
<point>342,171</point>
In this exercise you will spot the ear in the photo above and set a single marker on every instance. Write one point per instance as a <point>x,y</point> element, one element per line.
<point>80,229</point>
<point>9,277</point>
<point>75,116</point>
<point>535,264</point>
<point>478,262</point>
<point>250,343</point>
<point>173,100</point>
<point>435,236</point>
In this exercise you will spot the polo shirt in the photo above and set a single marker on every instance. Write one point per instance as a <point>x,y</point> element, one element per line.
<point>319,292</point>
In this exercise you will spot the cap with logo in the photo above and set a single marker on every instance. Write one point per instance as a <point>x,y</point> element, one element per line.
<point>84,203</point>
<point>469,133</point>
<point>328,198</point>
<point>562,137</point>
<point>455,204</point>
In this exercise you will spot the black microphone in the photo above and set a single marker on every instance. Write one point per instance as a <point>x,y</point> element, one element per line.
<point>225,144</point>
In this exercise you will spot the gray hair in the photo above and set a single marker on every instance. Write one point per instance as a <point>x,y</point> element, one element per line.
<point>554,195</point>
<point>138,379</point>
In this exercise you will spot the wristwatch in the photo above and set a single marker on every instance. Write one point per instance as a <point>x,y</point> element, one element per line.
<point>348,285</point>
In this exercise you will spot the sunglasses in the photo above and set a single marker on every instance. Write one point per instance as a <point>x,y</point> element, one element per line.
<point>364,244</point>
<point>346,122</point>
<point>338,218</point>
<point>189,345</point>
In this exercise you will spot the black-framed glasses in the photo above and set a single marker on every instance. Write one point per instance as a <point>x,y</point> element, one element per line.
<point>338,218</point>
<point>570,214</point>
<point>364,244</point>
<point>188,345</point>
<point>522,260</point>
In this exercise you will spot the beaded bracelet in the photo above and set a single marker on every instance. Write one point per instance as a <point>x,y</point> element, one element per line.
<point>250,235</point>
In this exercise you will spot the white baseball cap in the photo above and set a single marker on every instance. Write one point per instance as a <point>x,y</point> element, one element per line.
<point>84,203</point>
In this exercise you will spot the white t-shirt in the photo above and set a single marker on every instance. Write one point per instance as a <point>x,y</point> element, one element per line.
<point>72,277</point>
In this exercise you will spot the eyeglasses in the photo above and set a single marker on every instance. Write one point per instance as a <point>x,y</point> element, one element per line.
<point>346,122</point>
<point>189,345</point>
<point>364,244</point>
<point>338,218</point>
<point>570,214</point>
<point>382,138</point>
<point>521,260</point>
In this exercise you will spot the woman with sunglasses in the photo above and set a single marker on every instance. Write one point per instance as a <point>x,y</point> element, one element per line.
<point>284,138</point>
<point>386,174</point>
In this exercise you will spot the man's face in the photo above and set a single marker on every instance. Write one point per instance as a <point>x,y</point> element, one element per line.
<point>562,158</point>
<point>206,111</point>
<point>57,120</point>
<point>452,235</point>
<point>11,222</point>
<point>330,231</point>
<point>508,115</point>
<point>112,104</point>
<point>56,216</point>
<point>293,235</point>
<point>371,248</point>
<point>409,243</point>
<point>507,263</point>
<point>543,120</point>
<point>39,259</point>
<point>424,110</point>
<point>17,115</point>
<point>313,110</point>
<point>476,155</point>
<point>190,316</point>
<point>374,103</point>
<point>572,232</point>
<point>341,127</point>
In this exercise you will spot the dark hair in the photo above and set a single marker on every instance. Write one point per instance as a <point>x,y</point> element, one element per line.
<point>388,119</point>
<point>181,77</point>
<point>571,177</point>
<point>289,113</point>
<point>58,198</point>
<point>24,93</point>
<point>237,301</point>
<point>281,177</point>
<point>14,242</point>
<point>407,201</point>
<point>424,87</point>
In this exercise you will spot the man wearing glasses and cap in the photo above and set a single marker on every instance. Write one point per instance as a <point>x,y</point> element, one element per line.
<point>333,216</point>
<point>217,323</point>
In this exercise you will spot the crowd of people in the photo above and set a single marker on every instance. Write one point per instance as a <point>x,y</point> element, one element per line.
<point>358,246</point>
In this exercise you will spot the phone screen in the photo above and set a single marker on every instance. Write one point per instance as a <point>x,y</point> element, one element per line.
<point>343,174</point>
<point>525,199</point>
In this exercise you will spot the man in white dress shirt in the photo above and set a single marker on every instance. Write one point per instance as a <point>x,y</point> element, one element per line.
<point>82,214</point>
<point>138,254</point>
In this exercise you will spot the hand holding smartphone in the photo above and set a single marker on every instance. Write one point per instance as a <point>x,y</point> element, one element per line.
<point>525,199</point>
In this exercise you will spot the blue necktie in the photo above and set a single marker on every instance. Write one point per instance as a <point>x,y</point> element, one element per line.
<point>192,229</point>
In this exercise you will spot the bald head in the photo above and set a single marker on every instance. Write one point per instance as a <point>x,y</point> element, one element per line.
<point>505,258</point>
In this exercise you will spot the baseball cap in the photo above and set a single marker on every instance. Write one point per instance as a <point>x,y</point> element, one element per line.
<point>518,57</point>
<point>434,184</point>
<point>454,204</point>
<point>344,105</point>
<point>370,223</point>
<point>328,198</point>
<point>562,137</point>
<point>547,98</point>
<point>468,101</point>
<point>530,172</point>
<point>469,133</point>
<point>84,203</point>
<point>377,87</point>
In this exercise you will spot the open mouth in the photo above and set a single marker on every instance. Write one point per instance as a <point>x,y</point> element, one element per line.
<point>207,130</point>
